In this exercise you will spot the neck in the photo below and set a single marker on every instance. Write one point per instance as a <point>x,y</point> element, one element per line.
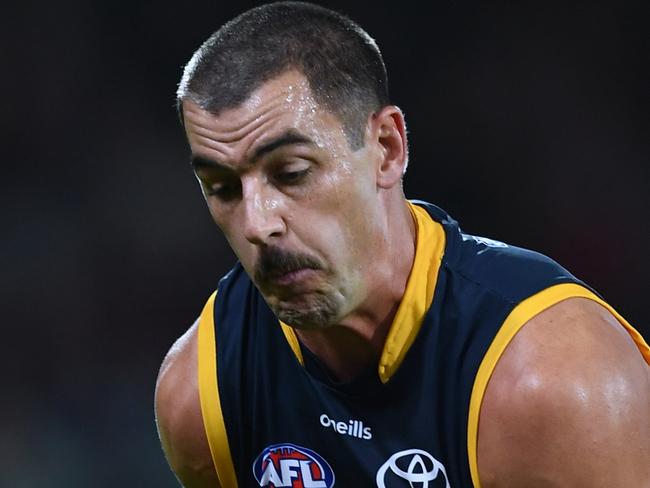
<point>355,344</point>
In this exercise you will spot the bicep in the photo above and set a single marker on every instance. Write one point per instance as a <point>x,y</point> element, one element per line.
<point>568,405</point>
<point>179,419</point>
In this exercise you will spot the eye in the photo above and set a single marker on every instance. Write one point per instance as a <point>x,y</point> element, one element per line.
<point>223,191</point>
<point>292,176</point>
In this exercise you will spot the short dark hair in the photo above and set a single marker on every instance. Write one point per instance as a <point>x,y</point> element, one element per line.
<point>341,62</point>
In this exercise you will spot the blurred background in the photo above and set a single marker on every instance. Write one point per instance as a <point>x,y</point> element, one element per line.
<point>528,123</point>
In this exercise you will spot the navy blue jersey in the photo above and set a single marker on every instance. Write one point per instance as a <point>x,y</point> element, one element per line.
<point>274,417</point>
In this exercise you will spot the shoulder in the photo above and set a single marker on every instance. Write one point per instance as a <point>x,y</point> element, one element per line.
<point>568,404</point>
<point>512,272</point>
<point>509,272</point>
<point>178,414</point>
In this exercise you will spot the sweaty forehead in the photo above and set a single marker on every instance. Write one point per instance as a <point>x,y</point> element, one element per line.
<point>285,102</point>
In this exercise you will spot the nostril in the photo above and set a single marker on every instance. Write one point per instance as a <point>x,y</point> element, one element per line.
<point>259,227</point>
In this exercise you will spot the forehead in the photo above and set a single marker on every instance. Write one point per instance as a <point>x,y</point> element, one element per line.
<point>283,103</point>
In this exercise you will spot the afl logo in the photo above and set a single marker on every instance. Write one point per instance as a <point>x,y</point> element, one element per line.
<point>416,466</point>
<point>288,465</point>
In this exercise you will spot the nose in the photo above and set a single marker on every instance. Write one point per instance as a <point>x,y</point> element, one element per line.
<point>262,215</point>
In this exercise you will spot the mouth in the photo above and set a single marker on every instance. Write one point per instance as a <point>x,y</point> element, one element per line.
<point>286,271</point>
<point>292,278</point>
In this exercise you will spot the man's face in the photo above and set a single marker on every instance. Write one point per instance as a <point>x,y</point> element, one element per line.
<point>297,205</point>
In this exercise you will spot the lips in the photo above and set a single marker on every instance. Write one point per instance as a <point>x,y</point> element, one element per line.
<point>294,277</point>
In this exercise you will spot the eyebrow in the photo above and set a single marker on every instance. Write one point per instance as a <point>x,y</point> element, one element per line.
<point>287,138</point>
<point>199,162</point>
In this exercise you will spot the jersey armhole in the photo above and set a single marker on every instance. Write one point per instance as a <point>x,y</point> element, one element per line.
<point>213,421</point>
<point>519,315</point>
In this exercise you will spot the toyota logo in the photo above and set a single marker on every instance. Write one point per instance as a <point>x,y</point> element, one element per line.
<point>416,466</point>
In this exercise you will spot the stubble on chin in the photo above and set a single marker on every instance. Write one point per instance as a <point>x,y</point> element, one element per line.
<point>317,312</point>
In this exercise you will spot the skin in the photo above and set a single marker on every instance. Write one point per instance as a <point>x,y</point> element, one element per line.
<point>572,369</point>
<point>568,405</point>
<point>178,415</point>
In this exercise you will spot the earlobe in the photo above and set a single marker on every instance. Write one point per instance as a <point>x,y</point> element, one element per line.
<point>389,131</point>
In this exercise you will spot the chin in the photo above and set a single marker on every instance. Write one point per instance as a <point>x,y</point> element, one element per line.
<point>321,313</point>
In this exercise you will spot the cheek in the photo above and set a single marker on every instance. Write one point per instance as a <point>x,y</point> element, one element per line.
<point>361,229</point>
<point>221,220</point>
<point>227,221</point>
<point>339,220</point>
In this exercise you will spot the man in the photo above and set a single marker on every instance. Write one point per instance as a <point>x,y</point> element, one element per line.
<point>362,337</point>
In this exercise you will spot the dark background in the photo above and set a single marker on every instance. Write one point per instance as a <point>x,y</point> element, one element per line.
<point>528,123</point>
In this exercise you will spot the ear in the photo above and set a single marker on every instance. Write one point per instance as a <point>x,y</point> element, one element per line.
<point>388,133</point>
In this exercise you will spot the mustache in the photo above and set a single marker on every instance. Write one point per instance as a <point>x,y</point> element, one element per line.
<point>274,262</point>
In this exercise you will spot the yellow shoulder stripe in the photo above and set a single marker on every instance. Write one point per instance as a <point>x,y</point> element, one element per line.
<point>521,314</point>
<point>215,427</point>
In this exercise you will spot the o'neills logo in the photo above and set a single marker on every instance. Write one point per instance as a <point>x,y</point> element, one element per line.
<point>291,466</point>
<point>353,428</point>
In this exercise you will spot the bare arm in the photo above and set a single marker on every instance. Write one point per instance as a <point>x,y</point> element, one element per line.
<point>568,405</point>
<point>178,415</point>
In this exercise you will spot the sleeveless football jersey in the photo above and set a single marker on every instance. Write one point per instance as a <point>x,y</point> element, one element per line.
<point>274,417</point>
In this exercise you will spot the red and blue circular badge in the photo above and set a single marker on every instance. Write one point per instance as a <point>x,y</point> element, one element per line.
<point>292,466</point>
